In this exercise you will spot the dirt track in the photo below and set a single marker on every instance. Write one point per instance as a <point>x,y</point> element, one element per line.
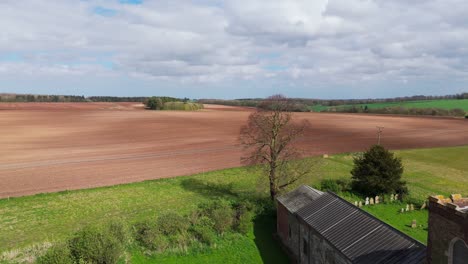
<point>53,147</point>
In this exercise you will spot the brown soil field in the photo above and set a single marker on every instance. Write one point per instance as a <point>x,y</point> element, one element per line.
<point>63,146</point>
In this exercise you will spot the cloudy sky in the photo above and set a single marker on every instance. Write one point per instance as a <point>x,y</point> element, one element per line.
<point>234,48</point>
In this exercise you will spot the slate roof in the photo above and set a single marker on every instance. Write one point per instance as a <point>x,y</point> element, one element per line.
<point>359,236</point>
<point>299,198</point>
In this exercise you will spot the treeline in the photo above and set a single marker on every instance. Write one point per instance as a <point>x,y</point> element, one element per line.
<point>336,102</point>
<point>234,102</point>
<point>21,98</point>
<point>399,110</point>
<point>116,99</point>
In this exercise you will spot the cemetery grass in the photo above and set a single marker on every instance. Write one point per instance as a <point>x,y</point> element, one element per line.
<point>30,220</point>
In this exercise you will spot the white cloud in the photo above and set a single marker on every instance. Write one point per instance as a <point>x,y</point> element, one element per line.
<point>317,43</point>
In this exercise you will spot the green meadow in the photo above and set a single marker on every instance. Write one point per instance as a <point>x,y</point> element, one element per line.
<point>442,104</point>
<point>33,220</point>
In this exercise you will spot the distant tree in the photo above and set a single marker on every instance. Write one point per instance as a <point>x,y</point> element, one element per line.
<point>154,103</point>
<point>269,136</point>
<point>378,171</point>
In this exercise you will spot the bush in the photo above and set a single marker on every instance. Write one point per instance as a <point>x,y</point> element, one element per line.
<point>330,185</point>
<point>221,213</point>
<point>377,172</point>
<point>172,223</point>
<point>203,230</point>
<point>96,245</point>
<point>245,212</point>
<point>57,254</point>
<point>149,236</point>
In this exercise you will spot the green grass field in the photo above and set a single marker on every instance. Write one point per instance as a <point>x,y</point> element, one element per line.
<point>32,220</point>
<point>443,104</point>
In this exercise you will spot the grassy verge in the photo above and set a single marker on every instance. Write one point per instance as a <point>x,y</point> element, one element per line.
<point>32,220</point>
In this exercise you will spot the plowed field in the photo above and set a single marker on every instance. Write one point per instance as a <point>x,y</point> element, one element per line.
<point>54,147</point>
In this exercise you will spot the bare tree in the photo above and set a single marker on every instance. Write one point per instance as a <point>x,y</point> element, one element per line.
<point>269,136</point>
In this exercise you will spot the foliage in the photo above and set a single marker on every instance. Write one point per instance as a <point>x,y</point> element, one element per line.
<point>57,254</point>
<point>220,212</point>
<point>244,217</point>
<point>97,245</point>
<point>182,106</point>
<point>378,171</point>
<point>203,230</point>
<point>158,102</point>
<point>269,137</point>
<point>330,185</point>
<point>150,236</point>
<point>171,223</point>
<point>170,103</point>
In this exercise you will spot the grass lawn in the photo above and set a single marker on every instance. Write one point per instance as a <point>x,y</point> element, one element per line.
<point>48,217</point>
<point>443,104</point>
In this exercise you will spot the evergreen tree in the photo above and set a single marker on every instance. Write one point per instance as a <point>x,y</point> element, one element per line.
<point>378,171</point>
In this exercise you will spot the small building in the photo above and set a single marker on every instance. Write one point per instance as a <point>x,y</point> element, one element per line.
<point>448,230</point>
<point>320,227</point>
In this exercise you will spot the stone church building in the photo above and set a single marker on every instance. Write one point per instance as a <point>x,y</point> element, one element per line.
<point>320,227</point>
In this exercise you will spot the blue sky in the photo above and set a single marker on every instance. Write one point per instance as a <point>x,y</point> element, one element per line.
<point>234,49</point>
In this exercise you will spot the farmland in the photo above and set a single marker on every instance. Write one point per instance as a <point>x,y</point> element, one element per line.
<point>50,217</point>
<point>49,147</point>
<point>442,104</point>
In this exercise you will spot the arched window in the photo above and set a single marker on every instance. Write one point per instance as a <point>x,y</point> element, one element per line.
<point>459,252</point>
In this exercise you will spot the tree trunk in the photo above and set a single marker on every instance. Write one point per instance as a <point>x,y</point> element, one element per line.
<point>273,185</point>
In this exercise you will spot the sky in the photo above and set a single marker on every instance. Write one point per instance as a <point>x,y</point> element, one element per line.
<point>234,48</point>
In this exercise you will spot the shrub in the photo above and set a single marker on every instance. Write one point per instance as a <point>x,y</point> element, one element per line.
<point>330,185</point>
<point>221,213</point>
<point>244,217</point>
<point>119,230</point>
<point>172,223</point>
<point>95,245</point>
<point>378,171</point>
<point>203,230</point>
<point>150,237</point>
<point>57,254</point>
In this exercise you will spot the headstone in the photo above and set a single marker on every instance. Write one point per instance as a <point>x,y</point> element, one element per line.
<point>407,208</point>
<point>411,207</point>
<point>414,224</point>
<point>367,201</point>
<point>355,203</point>
<point>371,201</point>
<point>392,198</point>
<point>377,198</point>
<point>423,206</point>
<point>396,197</point>
<point>360,204</point>
<point>402,210</point>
